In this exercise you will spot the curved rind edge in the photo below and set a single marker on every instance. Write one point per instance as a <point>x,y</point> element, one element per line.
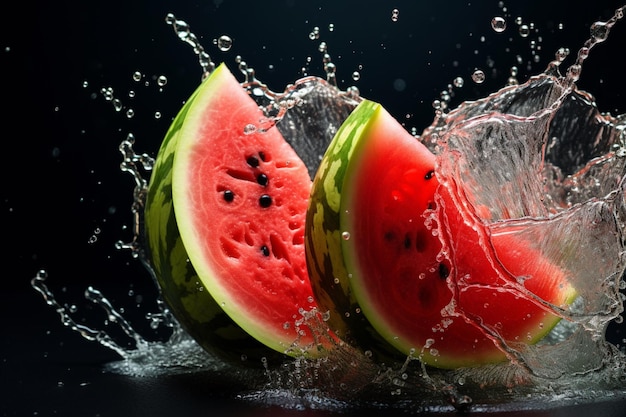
<point>325,255</point>
<point>191,304</point>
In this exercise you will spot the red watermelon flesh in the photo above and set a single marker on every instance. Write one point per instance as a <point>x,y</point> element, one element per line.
<point>427,273</point>
<point>240,197</point>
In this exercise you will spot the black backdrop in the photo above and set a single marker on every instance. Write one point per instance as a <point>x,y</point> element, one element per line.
<point>61,183</point>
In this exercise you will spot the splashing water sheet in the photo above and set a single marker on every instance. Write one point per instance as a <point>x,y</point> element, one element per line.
<point>521,104</point>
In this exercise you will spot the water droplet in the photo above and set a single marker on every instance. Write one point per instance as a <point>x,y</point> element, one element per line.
<point>583,53</point>
<point>249,129</point>
<point>182,29</point>
<point>345,235</point>
<point>331,27</point>
<point>395,14</point>
<point>524,31</point>
<point>599,31</point>
<point>161,80</point>
<point>573,72</point>
<point>330,68</point>
<point>498,24</point>
<point>315,33</point>
<point>478,76</point>
<point>458,82</point>
<point>130,113</point>
<point>356,76</point>
<point>107,93</point>
<point>224,43</point>
<point>157,115</point>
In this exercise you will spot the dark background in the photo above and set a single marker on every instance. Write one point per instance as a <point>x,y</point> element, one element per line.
<point>61,183</point>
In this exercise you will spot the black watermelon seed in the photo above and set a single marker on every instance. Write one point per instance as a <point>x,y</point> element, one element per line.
<point>265,250</point>
<point>229,196</point>
<point>421,240</point>
<point>407,241</point>
<point>252,161</point>
<point>265,201</point>
<point>444,272</point>
<point>262,179</point>
<point>429,175</point>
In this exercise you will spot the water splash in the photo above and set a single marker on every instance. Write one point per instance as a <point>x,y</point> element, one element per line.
<point>183,31</point>
<point>350,379</point>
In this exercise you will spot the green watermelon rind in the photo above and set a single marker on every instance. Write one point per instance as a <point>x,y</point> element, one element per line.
<point>372,112</point>
<point>357,134</point>
<point>181,288</point>
<point>324,243</point>
<point>207,263</point>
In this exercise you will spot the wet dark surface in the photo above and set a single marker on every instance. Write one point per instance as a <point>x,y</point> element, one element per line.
<point>61,183</point>
<point>46,370</point>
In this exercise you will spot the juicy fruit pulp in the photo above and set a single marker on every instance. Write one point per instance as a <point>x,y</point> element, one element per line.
<point>225,225</point>
<point>426,273</point>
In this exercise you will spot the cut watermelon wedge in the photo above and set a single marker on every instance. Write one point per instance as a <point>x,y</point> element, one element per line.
<point>225,219</point>
<point>390,246</point>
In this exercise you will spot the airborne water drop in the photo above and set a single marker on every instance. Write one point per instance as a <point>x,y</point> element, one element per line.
<point>478,76</point>
<point>224,43</point>
<point>498,24</point>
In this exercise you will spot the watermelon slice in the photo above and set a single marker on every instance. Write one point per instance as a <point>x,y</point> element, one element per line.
<point>224,220</point>
<point>397,257</point>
